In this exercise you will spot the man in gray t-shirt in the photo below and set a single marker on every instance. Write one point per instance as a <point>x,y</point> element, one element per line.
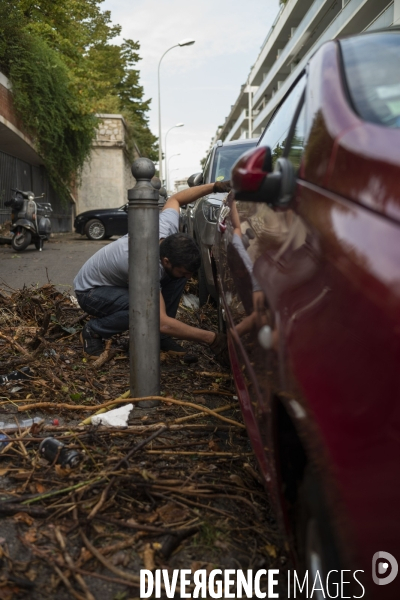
<point>101,286</point>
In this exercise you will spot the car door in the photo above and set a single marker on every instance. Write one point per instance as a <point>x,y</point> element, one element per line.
<point>119,224</point>
<point>249,231</point>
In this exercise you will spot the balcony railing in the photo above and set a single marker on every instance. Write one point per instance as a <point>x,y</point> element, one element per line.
<point>292,47</point>
<point>237,125</point>
<point>333,30</point>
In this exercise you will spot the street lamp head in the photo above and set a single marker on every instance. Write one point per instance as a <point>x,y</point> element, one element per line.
<point>179,124</point>
<point>186,43</point>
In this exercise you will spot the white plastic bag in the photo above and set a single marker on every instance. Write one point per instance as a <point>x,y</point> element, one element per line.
<point>118,417</point>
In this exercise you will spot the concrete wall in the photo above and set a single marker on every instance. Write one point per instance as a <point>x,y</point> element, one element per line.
<point>107,176</point>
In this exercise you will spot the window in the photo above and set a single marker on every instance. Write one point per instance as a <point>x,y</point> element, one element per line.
<point>371,64</point>
<point>295,150</point>
<point>225,158</point>
<point>206,172</point>
<point>278,128</point>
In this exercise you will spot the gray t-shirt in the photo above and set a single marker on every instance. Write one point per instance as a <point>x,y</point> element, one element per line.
<point>109,266</point>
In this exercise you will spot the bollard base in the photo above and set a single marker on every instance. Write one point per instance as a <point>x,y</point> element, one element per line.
<point>148,403</point>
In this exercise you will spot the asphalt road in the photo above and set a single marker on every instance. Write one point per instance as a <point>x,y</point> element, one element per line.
<point>59,262</point>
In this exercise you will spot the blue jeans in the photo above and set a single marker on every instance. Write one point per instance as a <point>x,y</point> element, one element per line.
<point>110,305</point>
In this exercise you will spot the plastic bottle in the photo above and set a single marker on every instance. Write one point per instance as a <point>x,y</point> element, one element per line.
<point>21,424</point>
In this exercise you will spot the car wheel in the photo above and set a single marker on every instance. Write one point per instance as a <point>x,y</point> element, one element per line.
<point>203,291</point>
<point>21,240</point>
<point>317,549</point>
<point>95,230</point>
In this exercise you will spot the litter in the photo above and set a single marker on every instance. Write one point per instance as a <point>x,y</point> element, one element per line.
<point>55,451</point>
<point>3,443</point>
<point>114,418</point>
<point>191,301</point>
<point>23,373</point>
<point>21,424</point>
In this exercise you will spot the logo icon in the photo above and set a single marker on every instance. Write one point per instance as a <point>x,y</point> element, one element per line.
<point>384,568</point>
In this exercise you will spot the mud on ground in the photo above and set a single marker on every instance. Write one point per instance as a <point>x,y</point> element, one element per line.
<point>177,488</point>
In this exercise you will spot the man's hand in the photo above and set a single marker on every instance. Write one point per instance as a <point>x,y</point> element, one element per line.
<point>220,349</point>
<point>222,187</point>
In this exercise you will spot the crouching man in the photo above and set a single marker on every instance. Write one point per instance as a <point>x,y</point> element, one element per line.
<point>101,286</point>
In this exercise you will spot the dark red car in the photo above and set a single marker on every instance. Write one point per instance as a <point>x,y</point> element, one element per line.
<point>308,260</point>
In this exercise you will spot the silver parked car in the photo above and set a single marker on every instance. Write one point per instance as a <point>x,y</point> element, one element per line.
<point>200,218</point>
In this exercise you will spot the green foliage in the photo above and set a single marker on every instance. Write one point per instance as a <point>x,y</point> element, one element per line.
<point>56,117</point>
<point>63,68</point>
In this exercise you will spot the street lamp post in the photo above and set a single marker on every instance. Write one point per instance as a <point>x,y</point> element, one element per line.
<point>181,43</point>
<point>165,152</point>
<point>177,169</point>
<point>167,166</point>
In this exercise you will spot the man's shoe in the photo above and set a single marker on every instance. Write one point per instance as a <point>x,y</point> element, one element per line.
<point>169,345</point>
<point>92,344</point>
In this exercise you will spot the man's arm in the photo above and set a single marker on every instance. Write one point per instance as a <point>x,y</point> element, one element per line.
<point>189,195</point>
<point>180,330</point>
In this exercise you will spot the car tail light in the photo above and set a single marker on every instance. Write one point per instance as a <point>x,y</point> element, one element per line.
<point>250,170</point>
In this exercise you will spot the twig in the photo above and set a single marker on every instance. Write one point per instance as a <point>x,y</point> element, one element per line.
<point>212,392</point>
<point>107,355</point>
<point>198,453</point>
<point>202,414</point>
<point>105,578</point>
<point>128,400</point>
<point>108,564</point>
<point>66,582</point>
<point>124,460</point>
<point>71,565</point>
<point>15,344</point>
<point>58,492</point>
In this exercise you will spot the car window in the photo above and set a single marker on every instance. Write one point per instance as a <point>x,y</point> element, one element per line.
<point>206,172</point>
<point>294,151</point>
<point>278,128</point>
<point>371,67</point>
<point>225,158</point>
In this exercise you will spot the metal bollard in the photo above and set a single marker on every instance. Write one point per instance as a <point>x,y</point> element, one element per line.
<point>144,286</point>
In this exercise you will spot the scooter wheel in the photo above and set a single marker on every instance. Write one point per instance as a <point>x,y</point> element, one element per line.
<point>21,240</point>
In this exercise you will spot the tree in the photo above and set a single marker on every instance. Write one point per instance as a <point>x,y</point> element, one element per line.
<point>63,67</point>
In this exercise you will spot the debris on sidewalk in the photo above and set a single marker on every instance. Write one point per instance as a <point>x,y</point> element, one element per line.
<point>118,417</point>
<point>177,487</point>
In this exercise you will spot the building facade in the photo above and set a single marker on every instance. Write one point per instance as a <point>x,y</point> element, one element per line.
<point>106,176</point>
<point>21,166</point>
<point>299,29</point>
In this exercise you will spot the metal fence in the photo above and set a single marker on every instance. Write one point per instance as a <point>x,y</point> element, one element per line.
<point>15,173</point>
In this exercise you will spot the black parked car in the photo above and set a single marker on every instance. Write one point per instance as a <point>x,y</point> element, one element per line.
<point>103,223</point>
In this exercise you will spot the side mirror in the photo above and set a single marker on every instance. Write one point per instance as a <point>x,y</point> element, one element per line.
<point>254,180</point>
<point>195,179</point>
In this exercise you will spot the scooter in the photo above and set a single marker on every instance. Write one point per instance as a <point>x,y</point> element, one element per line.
<point>30,222</point>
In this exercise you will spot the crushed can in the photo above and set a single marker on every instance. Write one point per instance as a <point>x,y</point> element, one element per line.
<point>54,450</point>
<point>24,373</point>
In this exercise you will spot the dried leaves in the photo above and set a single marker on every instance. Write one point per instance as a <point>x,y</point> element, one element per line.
<point>177,487</point>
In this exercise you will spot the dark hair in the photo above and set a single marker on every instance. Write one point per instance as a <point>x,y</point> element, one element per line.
<point>181,251</point>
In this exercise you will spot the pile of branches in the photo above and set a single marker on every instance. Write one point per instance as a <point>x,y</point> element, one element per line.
<point>176,488</point>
